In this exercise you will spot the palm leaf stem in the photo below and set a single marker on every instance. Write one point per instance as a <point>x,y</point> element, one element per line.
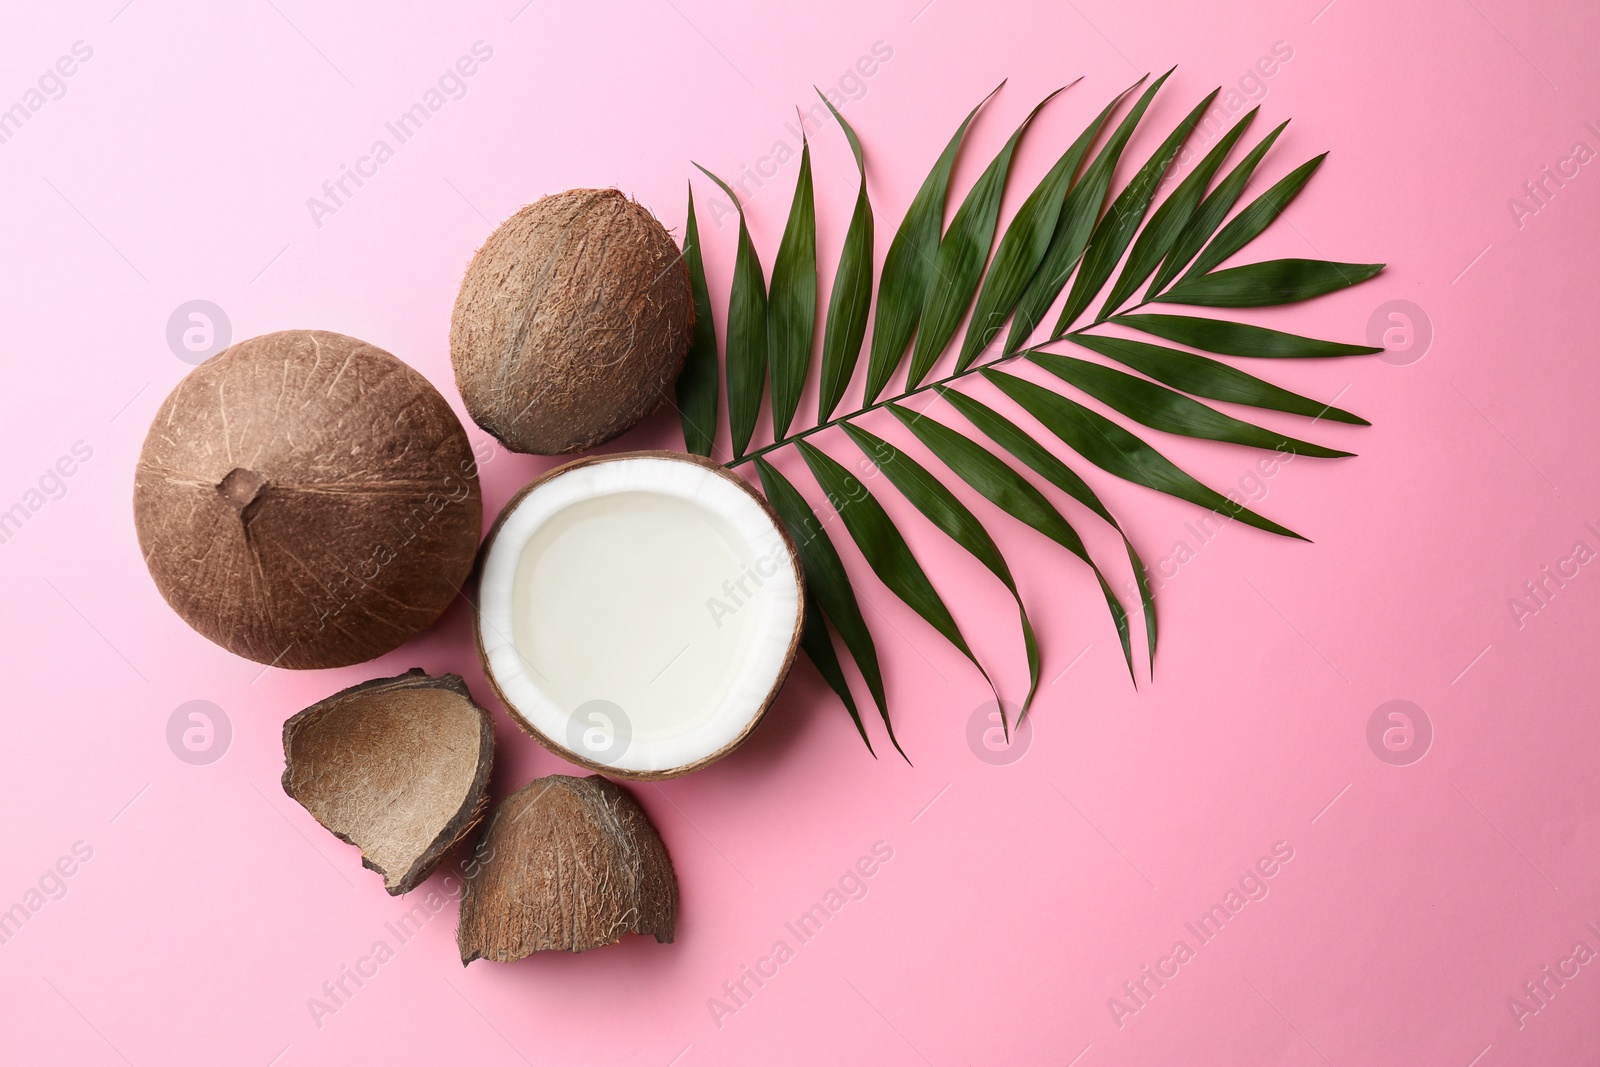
<point>923,388</point>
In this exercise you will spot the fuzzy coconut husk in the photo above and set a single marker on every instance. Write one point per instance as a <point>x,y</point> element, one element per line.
<point>305,499</point>
<point>398,767</point>
<point>757,715</point>
<point>567,864</point>
<point>572,322</point>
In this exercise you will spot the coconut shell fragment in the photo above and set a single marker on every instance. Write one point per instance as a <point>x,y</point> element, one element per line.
<point>306,500</point>
<point>398,767</point>
<point>572,322</point>
<point>569,864</point>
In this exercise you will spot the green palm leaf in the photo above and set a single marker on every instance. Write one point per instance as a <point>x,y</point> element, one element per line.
<point>818,646</point>
<point>1075,224</point>
<point>1072,222</point>
<point>1013,494</point>
<point>941,508</point>
<point>1011,437</point>
<point>1024,244</point>
<point>1113,449</point>
<point>1127,211</point>
<point>1165,409</point>
<point>852,291</point>
<point>697,384</point>
<point>827,582</point>
<point>792,301</point>
<point>963,251</point>
<point>1257,215</point>
<point>1209,215</point>
<point>1268,283</point>
<point>907,267</point>
<point>1169,220</point>
<point>1239,338</point>
<point>747,332</point>
<point>1209,378</point>
<point>885,550</point>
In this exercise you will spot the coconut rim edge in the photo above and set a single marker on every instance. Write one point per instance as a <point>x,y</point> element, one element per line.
<point>780,675</point>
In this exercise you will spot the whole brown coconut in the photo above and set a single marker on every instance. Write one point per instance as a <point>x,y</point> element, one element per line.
<point>567,864</point>
<point>572,322</point>
<point>307,500</point>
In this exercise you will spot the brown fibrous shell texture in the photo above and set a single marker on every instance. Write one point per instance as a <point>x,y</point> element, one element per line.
<point>572,322</point>
<point>398,767</point>
<point>305,499</point>
<point>566,864</point>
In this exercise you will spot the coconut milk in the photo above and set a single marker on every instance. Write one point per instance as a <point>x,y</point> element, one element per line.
<point>616,599</point>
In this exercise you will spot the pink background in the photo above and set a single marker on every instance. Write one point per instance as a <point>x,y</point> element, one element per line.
<point>177,165</point>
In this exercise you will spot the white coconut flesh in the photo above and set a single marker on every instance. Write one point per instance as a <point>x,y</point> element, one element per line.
<point>639,613</point>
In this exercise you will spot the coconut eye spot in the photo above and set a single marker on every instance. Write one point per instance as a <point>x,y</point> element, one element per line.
<point>242,489</point>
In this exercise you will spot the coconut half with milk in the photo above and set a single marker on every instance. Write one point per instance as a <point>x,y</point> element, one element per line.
<point>638,612</point>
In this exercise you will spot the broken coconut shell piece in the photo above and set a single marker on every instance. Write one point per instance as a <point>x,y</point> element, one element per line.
<point>398,767</point>
<point>568,864</point>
